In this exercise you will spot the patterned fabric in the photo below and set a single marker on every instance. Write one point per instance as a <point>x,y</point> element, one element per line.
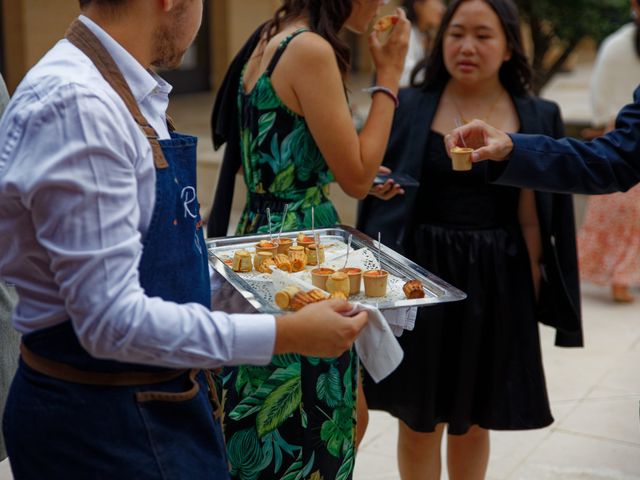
<point>294,418</point>
<point>609,240</point>
<point>281,161</point>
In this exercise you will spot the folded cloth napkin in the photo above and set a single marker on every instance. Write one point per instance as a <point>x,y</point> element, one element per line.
<point>376,345</point>
<point>401,319</point>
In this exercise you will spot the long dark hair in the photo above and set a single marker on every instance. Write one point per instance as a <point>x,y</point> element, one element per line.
<point>326,18</point>
<point>515,73</point>
<point>410,10</point>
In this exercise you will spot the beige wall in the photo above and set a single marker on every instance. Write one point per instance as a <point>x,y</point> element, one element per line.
<point>31,28</point>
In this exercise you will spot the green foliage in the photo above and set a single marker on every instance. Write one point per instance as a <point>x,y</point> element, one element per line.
<point>562,24</point>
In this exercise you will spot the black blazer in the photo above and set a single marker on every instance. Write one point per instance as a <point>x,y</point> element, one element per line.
<point>224,129</point>
<point>559,302</point>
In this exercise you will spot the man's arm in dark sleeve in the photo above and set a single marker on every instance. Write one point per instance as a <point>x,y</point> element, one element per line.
<point>607,164</point>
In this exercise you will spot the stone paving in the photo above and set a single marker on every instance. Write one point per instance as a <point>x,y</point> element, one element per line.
<point>594,391</point>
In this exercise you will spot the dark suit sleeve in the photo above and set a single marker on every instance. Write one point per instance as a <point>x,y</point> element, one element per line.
<point>607,164</point>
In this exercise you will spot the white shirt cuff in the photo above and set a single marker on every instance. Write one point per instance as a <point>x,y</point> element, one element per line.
<point>255,338</point>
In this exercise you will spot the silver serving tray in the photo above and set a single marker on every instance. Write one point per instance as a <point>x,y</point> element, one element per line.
<point>436,289</point>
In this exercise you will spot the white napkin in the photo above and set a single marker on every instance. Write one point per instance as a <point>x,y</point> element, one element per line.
<point>376,345</point>
<point>401,319</point>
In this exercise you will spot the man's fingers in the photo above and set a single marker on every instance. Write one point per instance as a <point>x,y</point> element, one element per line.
<point>340,306</point>
<point>483,153</point>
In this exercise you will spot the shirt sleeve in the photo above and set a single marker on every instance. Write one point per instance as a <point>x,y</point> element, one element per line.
<point>610,163</point>
<point>83,197</point>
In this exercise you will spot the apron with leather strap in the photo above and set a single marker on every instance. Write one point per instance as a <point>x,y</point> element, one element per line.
<point>70,415</point>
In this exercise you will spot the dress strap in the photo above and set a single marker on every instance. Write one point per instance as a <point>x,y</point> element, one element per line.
<point>281,48</point>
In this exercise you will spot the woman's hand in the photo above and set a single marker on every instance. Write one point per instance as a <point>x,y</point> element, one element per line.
<point>388,57</point>
<point>388,189</point>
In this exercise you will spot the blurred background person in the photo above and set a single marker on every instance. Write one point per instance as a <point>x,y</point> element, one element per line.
<point>474,366</point>
<point>609,239</point>
<point>425,17</point>
<point>285,100</point>
<point>9,337</point>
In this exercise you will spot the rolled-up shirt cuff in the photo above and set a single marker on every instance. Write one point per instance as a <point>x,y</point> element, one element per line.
<point>255,338</point>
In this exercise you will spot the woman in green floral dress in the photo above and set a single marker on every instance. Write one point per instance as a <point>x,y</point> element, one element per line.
<point>296,417</point>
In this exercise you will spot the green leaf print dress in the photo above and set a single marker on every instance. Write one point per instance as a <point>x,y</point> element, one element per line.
<point>293,419</point>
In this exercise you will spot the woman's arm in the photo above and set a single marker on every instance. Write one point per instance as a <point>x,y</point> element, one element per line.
<point>313,73</point>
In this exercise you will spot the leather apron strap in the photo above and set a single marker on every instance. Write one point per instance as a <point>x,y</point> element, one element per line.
<point>84,39</point>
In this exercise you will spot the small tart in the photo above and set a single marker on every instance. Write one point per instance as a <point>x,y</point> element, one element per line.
<point>283,262</point>
<point>413,289</point>
<point>315,254</point>
<point>241,261</point>
<point>338,295</point>
<point>298,258</point>
<point>300,300</point>
<point>283,297</point>
<point>385,23</point>
<point>316,295</point>
<point>339,282</point>
<point>265,266</point>
<point>260,257</point>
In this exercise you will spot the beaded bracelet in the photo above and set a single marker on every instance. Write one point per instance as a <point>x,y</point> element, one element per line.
<point>377,88</point>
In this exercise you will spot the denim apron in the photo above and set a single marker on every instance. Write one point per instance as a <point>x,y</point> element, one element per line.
<point>89,418</point>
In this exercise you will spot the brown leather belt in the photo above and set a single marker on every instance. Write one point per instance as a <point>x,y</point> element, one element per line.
<point>67,373</point>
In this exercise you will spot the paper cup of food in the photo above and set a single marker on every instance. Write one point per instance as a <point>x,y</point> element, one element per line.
<point>461,158</point>
<point>284,244</point>
<point>355,278</point>
<point>267,246</point>
<point>375,283</point>
<point>319,277</point>
<point>304,240</point>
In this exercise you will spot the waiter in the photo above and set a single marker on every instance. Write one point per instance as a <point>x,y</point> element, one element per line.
<point>100,233</point>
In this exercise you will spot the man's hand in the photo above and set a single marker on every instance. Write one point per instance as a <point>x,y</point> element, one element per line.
<point>319,329</point>
<point>488,142</point>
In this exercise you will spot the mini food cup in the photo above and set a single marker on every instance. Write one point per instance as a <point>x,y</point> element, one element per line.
<point>284,244</point>
<point>338,282</point>
<point>304,240</point>
<point>267,246</point>
<point>375,283</point>
<point>315,254</point>
<point>241,261</point>
<point>355,278</point>
<point>461,158</point>
<point>298,258</point>
<point>260,257</point>
<point>319,277</point>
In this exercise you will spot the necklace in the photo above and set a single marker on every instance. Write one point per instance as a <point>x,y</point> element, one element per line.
<point>485,119</point>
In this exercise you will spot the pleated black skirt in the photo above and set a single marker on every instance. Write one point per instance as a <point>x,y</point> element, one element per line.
<point>477,361</point>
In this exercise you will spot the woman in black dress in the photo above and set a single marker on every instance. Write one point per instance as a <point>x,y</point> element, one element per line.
<point>475,365</point>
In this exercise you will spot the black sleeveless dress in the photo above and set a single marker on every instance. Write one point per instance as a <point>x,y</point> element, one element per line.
<point>478,361</point>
